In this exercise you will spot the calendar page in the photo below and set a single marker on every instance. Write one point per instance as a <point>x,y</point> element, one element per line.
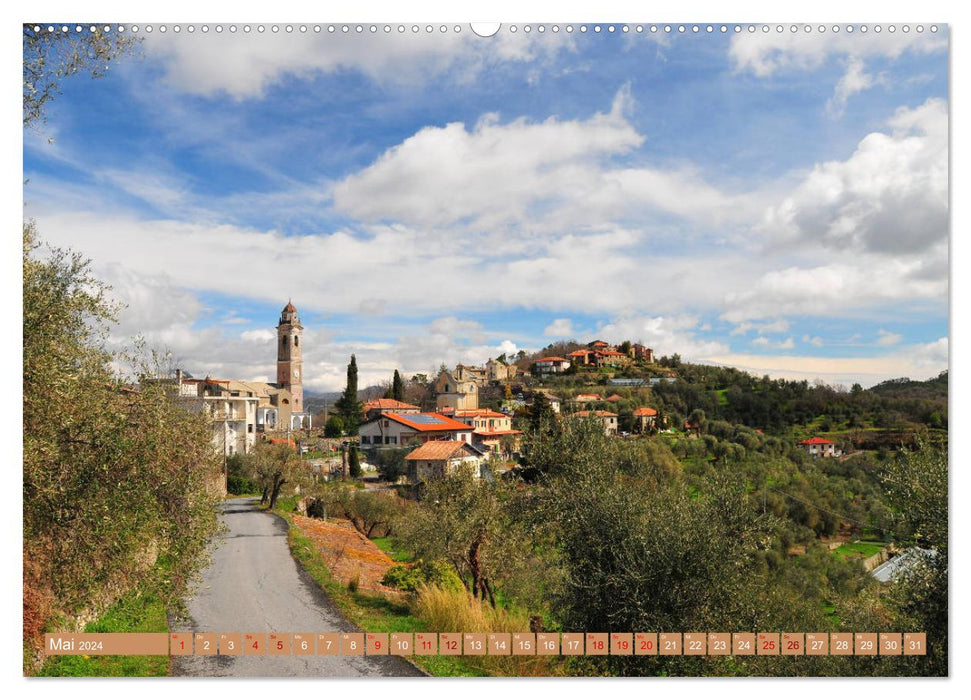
<point>524,349</point>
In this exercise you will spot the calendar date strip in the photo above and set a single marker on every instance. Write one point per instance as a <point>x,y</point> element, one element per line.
<point>490,644</point>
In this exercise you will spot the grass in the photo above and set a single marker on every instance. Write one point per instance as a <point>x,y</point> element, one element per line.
<point>139,611</point>
<point>862,550</point>
<point>390,547</point>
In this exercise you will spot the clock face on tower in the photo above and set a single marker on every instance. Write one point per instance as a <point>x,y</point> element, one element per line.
<point>296,374</point>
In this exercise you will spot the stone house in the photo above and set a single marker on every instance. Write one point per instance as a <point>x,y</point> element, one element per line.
<point>608,419</point>
<point>438,459</point>
<point>645,419</point>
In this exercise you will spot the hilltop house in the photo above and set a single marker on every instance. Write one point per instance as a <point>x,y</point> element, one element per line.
<point>499,372</point>
<point>819,447</point>
<point>587,398</point>
<point>640,352</point>
<point>394,429</point>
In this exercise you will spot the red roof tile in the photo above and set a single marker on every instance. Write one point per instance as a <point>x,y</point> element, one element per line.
<point>443,423</point>
<point>437,449</point>
<point>552,359</point>
<point>645,412</point>
<point>816,441</point>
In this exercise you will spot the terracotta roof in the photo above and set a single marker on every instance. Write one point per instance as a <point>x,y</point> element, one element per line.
<point>816,441</point>
<point>599,344</point>
<point>290,307</point>
<point>588,397</point>
<point>615,397</point>
<point>552,359</point>
<point>437,449</point>
<point>579,353</point>
<point>427,422</point>
<point>645,412</point>
<point>611,353</point>
<point>491,433</point>
<point>387,404</point>
<point>598,414</point>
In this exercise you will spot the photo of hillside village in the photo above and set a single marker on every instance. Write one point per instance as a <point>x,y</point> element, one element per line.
<point>330,383</point>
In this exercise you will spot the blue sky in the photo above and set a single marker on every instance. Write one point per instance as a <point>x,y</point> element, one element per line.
<point>774,201</point>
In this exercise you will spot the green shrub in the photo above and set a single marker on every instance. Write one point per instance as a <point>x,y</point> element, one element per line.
<point>432,573</point>
<point>240,485</point>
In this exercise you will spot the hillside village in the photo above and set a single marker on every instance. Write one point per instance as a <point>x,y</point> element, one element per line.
<point>476,415</point>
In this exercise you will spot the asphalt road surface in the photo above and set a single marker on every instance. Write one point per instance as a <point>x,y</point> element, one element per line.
<point>253,584</point>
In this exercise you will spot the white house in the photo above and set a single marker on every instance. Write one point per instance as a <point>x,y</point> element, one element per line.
<point>552,365</point>
<point>394,429</point>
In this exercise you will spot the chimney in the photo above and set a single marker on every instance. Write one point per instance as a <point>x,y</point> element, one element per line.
<point>178,377</point>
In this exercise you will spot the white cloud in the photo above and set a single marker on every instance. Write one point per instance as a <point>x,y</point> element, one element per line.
<point>815,340</point>
<point>761,341</point>
<point>560,328</point>
<point>778,326</point>
<point>888,338</point>
<point>259,335</point>
<point>838,287</point>
<point>665,334</point>
<point>244,65</point>
<point>890,196</point>
<point>766,53</point>
<point>854,80</point>
<point>529,173</point>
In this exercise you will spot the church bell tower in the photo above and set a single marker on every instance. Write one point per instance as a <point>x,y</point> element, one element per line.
<point>289,359</point>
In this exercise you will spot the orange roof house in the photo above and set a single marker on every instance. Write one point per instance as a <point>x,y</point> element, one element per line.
<point>645,418</point>
<point>396,429</point>
<point>438,459</point>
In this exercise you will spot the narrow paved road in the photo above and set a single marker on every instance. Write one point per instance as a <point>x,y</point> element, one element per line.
<point>254,585</point>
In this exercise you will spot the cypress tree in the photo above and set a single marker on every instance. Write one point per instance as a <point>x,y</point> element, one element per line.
<point>397,387</point>
<point>353,462</point>
<point>348,406</point>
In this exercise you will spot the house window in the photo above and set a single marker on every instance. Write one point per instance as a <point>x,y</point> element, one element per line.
<point>284,341</point>
<point>249,428</point>
<point>296,341</point>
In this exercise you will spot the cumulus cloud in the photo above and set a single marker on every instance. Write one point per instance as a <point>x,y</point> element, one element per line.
<point>890,196</point>
<point>529,173</point>
<point>825,289</point>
